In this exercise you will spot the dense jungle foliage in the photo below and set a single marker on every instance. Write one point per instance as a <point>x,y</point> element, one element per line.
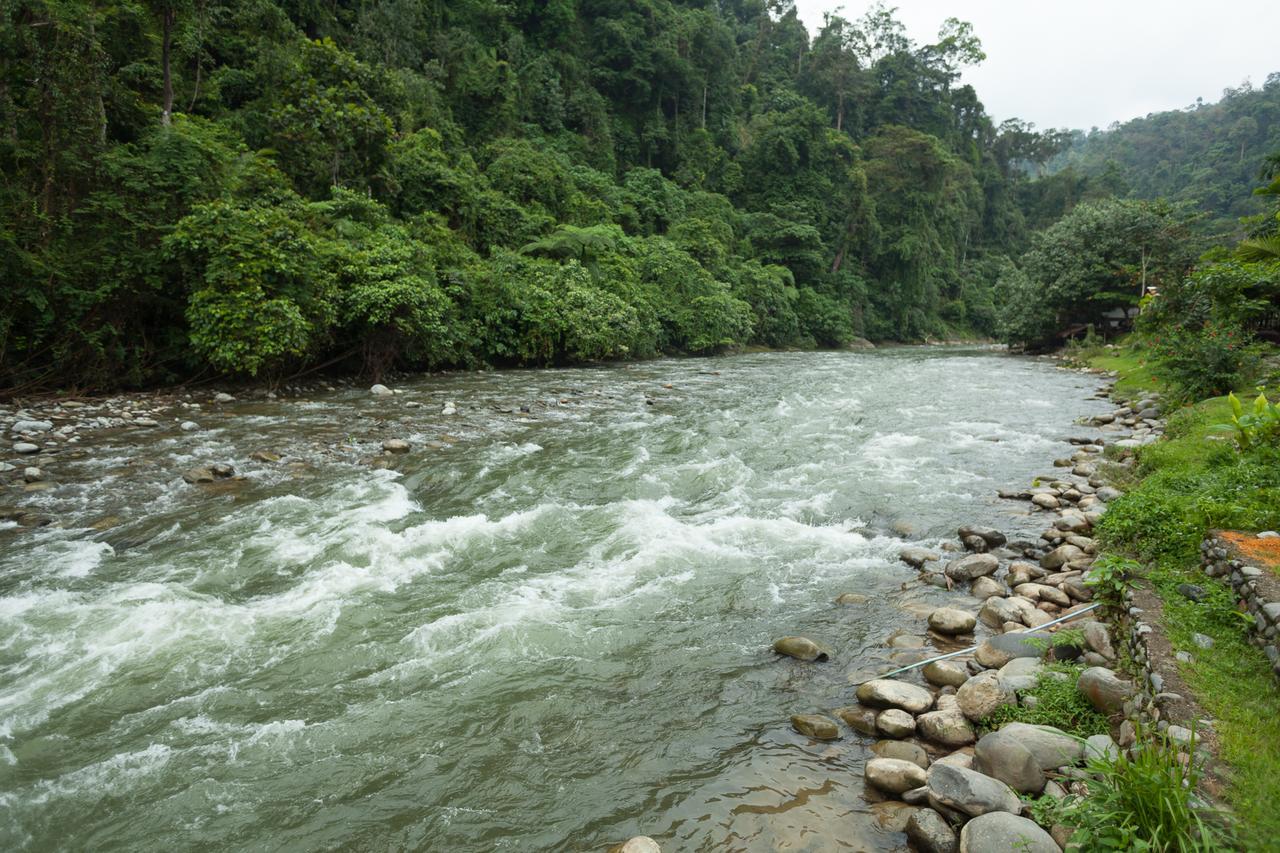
<point>262,186</point>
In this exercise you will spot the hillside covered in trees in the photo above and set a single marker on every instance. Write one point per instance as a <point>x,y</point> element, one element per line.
<point>1208,156</point>
<point>194,186</point>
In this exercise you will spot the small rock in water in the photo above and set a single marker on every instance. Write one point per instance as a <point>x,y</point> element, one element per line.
<point>189,426</point>
<point>945,673</point>
<point>449,409</point>
<point>851,598</point>
<point>25,447</point>
<point>947,620</point>
<point>264,456</point>
<point>32,475</point>
<point>223,397</point>
<point>381,391</point>
<point>816,726</point>
<point>893,775</point>
<point>801,648</point>
<point>395,445</point>
<point>639,844</point>
<point>32,426</point>
<point>887,693</point>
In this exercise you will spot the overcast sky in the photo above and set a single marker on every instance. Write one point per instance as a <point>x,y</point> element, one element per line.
<point>1092,62</point>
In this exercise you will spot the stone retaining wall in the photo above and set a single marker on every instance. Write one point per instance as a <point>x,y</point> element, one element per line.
<point>1145,711</point>
<point>1254,585</point>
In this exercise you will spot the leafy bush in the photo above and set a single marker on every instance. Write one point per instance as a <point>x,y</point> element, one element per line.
<point>1259,427</point>
<point>1204,362</point>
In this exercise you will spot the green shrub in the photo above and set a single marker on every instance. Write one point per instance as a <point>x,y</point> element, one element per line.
<point>1204,362</point>
<point>1258,427</point>
<point>1141,801</point>
<point>1058,704</point>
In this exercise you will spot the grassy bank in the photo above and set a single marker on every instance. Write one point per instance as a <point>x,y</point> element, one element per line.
<point>1193,481</point>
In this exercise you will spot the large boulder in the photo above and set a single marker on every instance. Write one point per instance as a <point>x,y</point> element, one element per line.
<point>1002,756</point>
<point>948,620</point>
<point>982,695</point>
<point>887,693</point>
<point>930,832</point>
<point>893,775</point>
<point>971,567</point>
<point>946,728</point>
<point>1051,747</point>
<point>800,648</point>
<point>1002,831</point>
<point>1105,690</point>
<point>970,792</point>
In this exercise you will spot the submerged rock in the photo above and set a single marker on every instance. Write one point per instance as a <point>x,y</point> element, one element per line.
<point>639,844</point>
<point>800,648</point>
<point>816,726</point>
<point>380,390</point>
<point>395,445</point>
<point>849,598</point>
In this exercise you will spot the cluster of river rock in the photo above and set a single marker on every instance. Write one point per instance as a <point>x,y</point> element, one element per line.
<point>933,747</point>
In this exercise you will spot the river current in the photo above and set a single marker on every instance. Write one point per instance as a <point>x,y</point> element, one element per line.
<point>539,630</point>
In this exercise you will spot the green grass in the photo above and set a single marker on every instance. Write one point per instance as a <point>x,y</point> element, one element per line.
<point>1182,487</point>
<point>1059,704</point>
<point>1134,373</point>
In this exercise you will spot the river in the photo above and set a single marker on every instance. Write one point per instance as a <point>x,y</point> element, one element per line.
<point>542,630</point>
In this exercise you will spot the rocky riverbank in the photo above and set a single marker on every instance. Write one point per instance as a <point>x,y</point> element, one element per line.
<point>934,731</point>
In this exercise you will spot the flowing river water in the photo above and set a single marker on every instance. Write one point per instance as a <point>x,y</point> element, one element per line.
<point>539,631</point>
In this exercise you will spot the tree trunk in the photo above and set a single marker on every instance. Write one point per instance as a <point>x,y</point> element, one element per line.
<point>704,106</point>
<point>166,18</point>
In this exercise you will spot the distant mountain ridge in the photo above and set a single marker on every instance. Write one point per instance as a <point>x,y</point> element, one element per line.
<point>1209,154</point>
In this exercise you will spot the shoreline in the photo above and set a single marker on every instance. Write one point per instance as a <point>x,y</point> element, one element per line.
<point>929,730</point>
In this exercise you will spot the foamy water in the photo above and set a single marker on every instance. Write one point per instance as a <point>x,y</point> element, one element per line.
<point>549,632</point>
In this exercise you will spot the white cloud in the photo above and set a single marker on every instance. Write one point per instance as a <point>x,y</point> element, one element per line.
<point>1092,62</point>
